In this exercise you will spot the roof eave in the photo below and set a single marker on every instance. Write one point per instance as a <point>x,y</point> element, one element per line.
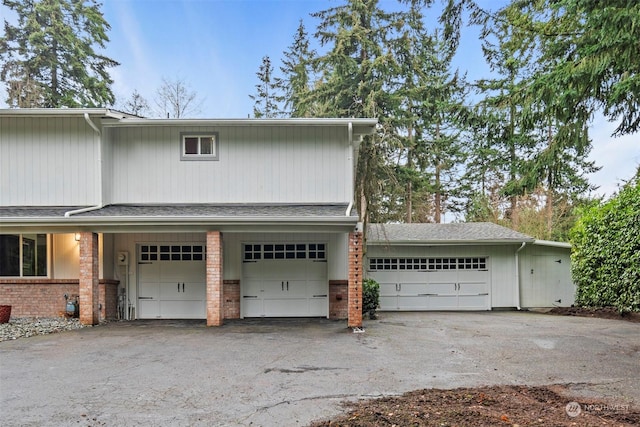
<point>448,242</point>
<point>64,112</point>
<point>360,126</point>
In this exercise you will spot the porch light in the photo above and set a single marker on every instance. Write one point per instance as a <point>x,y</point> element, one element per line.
<point>77,237</point>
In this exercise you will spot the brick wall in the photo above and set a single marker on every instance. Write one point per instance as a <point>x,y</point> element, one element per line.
<point>338,299</point>
<point>215,287</point>
<point>231,299</point>
<point>355,280</point>
<point>45,297</point>
<point>89,275</point>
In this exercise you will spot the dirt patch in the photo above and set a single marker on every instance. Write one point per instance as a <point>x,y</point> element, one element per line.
<point>604,313</point>
<point>485,406</point>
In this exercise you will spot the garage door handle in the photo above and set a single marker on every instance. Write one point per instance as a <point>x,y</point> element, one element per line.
<point>320,296</point>
<point>145,297</point>
<point>486,293</point>
<point>250,296</point>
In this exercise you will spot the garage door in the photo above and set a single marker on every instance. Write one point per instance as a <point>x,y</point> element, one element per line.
<point>285,280</point>
<point>408,284</point>
<point>171,282</point>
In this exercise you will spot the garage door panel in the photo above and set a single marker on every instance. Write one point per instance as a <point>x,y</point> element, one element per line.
<point>171,285</point>
<point>253,306</point>
<point>473,288</point>
<point>473,302</point>
<point>442,288</point>
<point>388,302</point>
<point>182,309</point>
<point>414,302</point>
<point>148,308</point>
<point>443,302</point>
<point>412,289</point>
<point>292,283</point>
<point>286,307</point>
<point>432,283</point>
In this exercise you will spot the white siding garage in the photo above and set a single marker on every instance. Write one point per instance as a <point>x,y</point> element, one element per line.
<point>285,280</point>
<point>470,266</point>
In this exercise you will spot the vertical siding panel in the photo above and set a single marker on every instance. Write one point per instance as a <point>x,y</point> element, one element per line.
<point>4,163</point>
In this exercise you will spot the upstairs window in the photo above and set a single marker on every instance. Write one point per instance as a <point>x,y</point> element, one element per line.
<point>199,146</point>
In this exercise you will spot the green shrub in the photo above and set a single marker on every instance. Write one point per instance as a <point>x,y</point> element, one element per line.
<point>605,260</point>
<point>370,297</point>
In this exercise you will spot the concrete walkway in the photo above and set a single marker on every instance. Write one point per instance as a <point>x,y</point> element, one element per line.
<point>288,372</point>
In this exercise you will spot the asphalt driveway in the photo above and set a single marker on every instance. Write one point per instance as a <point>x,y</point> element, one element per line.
<point>287,372</point>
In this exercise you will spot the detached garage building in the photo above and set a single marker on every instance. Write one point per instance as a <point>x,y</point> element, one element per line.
<point>467,266</point>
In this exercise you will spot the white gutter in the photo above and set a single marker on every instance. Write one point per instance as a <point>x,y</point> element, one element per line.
<point>518,275</point>
<point>101,204</point>
<point>90,123</point>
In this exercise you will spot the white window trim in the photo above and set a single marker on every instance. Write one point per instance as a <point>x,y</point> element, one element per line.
<point>216,146</point>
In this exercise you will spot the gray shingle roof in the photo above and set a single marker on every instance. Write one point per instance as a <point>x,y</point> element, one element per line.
<point>478,232</point>
<point>185,211</point>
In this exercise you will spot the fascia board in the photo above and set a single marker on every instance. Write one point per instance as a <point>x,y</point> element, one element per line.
<point>360,126</point>
<point>63,112</point>
<point>552,244</point>
<point>444,242</point>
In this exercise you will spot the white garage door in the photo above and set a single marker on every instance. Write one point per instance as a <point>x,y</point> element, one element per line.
<point>408,284</point>
<point>171,282</point>
<point>285,280</point>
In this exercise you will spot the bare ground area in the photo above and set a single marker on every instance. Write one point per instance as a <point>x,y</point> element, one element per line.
<point>485,406</point>
<point>496,405</point>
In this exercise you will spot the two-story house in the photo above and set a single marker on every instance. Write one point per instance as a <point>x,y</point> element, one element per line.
<point>179,218</point>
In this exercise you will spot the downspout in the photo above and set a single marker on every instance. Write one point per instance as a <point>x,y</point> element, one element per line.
<point>350,132</point>
<point>518,275</point>
<point>101,205</point>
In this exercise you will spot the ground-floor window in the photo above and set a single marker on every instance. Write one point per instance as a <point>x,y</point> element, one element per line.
<point>23,255</point>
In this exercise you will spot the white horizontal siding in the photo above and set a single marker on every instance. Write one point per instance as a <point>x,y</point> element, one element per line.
<point>48,162</point>
<point>256,165</point>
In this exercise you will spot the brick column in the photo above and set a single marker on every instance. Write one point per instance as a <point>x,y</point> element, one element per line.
<point>355,280</point>
<point>89,275</point>
<point>215,286</point>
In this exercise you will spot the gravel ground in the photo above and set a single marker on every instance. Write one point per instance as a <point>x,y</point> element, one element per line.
<point>28,327</point>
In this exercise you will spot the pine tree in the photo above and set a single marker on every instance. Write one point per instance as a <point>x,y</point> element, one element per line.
<point>297,76</point>
<point>356,72</point>
<point>266,99</point>
<point>50,58</point>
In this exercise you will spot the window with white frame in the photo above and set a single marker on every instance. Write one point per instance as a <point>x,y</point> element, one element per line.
<point>23,255</point>
<point>427,264</point>
<point>199,146</point>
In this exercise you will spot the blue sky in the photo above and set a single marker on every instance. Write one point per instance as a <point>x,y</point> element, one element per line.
<point>216,47</point>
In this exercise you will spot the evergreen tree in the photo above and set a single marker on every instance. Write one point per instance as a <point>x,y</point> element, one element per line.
<point>357,70</point>
<point>297,76</point>
<point>266,99</point>
<point>49,59</point>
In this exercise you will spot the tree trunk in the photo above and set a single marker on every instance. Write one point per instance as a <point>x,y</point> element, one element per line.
<point>438,190</point>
